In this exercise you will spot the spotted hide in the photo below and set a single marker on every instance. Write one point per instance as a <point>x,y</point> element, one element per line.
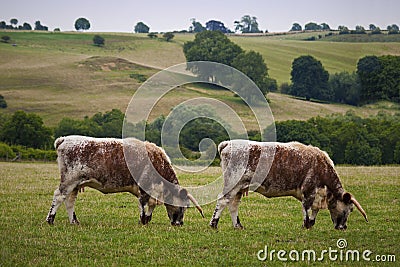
<point>282,169</point>
<point>100,163</point>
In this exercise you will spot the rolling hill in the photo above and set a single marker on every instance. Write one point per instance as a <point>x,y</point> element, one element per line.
<point>60,75</point>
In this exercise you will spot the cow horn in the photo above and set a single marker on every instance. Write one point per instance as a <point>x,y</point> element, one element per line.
<point>355,202</point>
<point>196,204</point>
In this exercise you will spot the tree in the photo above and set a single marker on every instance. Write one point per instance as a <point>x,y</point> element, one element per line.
<point>368,69</point>
<point>372,27</point>
<point>3,25</point>
<point>312,26</point>
<point>345,87</point>
<point>360,30</point>
<point>296,27</point>
<point>343,30</point>
<point>247,24</point>
<point>141,28</point>
<point>393,29</point>
<point>40,27</point>
<point>214,25</point>
<point>252,64</point>
<point>27,130</point>
<point>26,26</point>
<point>310,79</point>
<point>168,36</point>
<point>211,46</point>
<point>325,27</point>
<point>98,40</point>
<point>196,26</point>
<point>376,30</point>
<point>14,22</point>
<point>82,24</point>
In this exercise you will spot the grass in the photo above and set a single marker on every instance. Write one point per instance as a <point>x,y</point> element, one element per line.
<point>109,233</point>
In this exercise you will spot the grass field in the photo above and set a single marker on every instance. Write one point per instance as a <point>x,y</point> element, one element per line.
<point>109,233</point>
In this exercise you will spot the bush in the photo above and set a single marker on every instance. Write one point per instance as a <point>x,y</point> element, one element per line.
<point>6,152</point>
<point>3,103</point>
<point>98,40</point>
<point>5,38</point>
<point>152,35</point>
<point>34,154</point>
<point>168,36</point>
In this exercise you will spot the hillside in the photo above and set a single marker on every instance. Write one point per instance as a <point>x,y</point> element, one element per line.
<point>63,75</point>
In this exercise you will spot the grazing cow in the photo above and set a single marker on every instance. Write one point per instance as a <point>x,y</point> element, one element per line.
<point>282,169</point>
<point>100,163</point>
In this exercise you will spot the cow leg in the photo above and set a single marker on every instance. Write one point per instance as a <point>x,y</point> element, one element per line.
<point>234,210</point>
<point>307,222</point>
<point>59,197</point>
<point>313,216</point>
<point>145,216</point>
<point>221,205</point>
<point>69,204</point>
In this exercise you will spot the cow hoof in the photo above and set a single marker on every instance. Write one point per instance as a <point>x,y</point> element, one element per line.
<point>238,227</point>
<point>50,219</point>
<point>214,223</point>
<point>145,219</point>
<point>74,219</point>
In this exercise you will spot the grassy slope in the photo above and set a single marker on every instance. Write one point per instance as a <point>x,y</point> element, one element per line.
<point>50,73</point>
<point>109,233</point>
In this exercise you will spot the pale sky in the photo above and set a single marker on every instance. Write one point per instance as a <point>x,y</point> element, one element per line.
<point>164,15</point>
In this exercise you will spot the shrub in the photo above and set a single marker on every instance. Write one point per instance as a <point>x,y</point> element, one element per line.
<point>5,38</point>
<point>3,103</point>
<point>6,152</point>
<point>98,40</point>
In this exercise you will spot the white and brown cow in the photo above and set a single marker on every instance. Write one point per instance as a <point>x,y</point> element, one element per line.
<point>282,169</point>
<point>100,163</point>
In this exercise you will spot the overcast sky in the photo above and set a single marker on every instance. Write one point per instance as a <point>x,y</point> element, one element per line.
<point>164,15</point>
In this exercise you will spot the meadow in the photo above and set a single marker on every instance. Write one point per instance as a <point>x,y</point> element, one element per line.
<point>109,233</point>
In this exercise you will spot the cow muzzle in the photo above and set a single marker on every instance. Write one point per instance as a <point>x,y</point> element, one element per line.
<point>177,223</point>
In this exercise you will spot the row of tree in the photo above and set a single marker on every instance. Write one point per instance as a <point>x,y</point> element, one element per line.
<point>376,78</point>
<point>348,139</point>
<point>312,26</point>
<point>26,26</point>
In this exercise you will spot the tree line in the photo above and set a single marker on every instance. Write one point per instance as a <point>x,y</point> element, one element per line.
<point>376,78</point>
<point>359,29</point>
<point>25,26</point>
<point>348,139</point>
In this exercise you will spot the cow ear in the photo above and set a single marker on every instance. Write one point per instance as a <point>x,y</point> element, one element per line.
<point>183,194</point>
<point>346,198</point>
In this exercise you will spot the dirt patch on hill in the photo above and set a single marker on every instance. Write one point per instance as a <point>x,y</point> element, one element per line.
<point>98,63</point>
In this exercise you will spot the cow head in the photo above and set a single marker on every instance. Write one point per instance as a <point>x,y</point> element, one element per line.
<point>340,209</point>
<point>181,203</point>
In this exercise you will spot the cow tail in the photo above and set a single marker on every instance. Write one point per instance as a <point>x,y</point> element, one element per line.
<point>222,145</point>
<point>58,142</point>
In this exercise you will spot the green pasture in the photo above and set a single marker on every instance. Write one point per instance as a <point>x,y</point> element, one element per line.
<point>62,74</point>
<point>109,233</point>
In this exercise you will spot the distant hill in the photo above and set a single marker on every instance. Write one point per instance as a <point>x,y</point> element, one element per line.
<point>60,75</point>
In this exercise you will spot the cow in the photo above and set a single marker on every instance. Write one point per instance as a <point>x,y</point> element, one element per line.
<point>118,165</point>
<point>276,169</point>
